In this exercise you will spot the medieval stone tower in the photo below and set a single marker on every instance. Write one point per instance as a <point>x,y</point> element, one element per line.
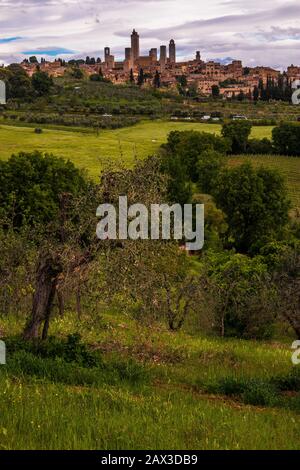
<point>172,52</point>
<point>135,45</point>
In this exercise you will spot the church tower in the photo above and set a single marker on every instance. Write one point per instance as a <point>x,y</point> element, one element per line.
<point>172,52</point>
<point>135,45</point>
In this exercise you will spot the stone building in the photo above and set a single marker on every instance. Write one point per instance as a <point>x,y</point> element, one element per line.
<point>163,56</point>
<point>172,52</point>
<point>135,45</point>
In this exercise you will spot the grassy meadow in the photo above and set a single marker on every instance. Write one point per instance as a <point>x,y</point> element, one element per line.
<point>90,151</point>
<point>162,391</point>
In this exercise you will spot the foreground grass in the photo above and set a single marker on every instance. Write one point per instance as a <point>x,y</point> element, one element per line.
<point>39,416</point>
<point>154,389</point>
<point>90,151</point>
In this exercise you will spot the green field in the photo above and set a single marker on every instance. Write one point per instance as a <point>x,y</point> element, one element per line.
<point>166,399</point>
<point>90,151</point>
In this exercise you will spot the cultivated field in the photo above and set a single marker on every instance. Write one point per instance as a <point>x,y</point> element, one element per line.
<point>89,151</point>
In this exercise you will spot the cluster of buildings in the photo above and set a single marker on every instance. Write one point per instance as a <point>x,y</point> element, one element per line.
<point>232,78</point>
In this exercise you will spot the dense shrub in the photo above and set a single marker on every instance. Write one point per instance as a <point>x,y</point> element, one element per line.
<point>252,391</point>
<point>255,203</point>
<point>288,382</point>
<point>31,185</point>
<point>286,138</point>
<point>241,295</point>
<point>70,349</point>
<point>208,168</point>
<point>237,132</point>
<point>260,147</point>
<point>101,122</point>
<point>69,361</point>
<point>188,146</point>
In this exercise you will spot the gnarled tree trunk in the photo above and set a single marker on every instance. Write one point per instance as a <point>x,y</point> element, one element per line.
<point>46,280</point>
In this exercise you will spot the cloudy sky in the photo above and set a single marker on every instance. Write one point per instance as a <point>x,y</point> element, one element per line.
<point>256,31</point>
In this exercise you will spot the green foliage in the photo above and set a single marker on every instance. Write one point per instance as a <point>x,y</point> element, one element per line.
<point>189,146</point>
<point>215,90</point>
<point>257,392</point>
<point>41,83</point>
<point>288,382</point>
<point>286,138</point>
<point>237,132</point>
<point>255,203</point>
<point>141,78</point>
<point>18,84</point>
<point>288,167</point>
<point>179,188</point>
<point>70,349</point>
<point>77,73</point>
<point>209,166</point>
<point>74,120</point>
<point>241,294</point>
<point>69,361</point>
<point>31,185</point>
<point>260,146</point>
<point>275,90</point>
<point>68,406</point>
<point>23,363</point>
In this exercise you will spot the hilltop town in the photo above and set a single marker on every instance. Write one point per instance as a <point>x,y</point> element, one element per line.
<point>232,79</point>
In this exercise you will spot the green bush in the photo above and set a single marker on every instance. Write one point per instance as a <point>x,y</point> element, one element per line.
<point>256,205</point>
<point>31,185</point>
<point>71,363</point>
<point>241,294</point>
<point>286,138</point>
<point>289,382</point>
<point>70,349</point>
<point>237,132</point>
<point>260,393</point>
<point>251,391</point>
<point>260,147</point>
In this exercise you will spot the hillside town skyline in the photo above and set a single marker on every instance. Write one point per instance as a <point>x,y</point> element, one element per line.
<point>232,78</point>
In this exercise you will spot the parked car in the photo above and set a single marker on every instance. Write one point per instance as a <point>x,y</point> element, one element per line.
<point>239,117</point>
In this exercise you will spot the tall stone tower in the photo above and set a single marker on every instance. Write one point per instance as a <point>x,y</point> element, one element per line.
<point>153,54</point>
<point>128,63</point>
<point>163,56</point>
<point>128,53</point>
<point>135,45</point>
<point>172,51</point>
<point>108,59</point>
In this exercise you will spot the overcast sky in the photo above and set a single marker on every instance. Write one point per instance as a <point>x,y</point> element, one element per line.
<point>256,31</point>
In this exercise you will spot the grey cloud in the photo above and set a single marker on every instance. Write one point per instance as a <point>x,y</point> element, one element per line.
<point>289,11</point>
<point>254,31</point>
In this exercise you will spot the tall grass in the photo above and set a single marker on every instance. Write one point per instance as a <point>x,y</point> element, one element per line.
<point>146,388</point>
